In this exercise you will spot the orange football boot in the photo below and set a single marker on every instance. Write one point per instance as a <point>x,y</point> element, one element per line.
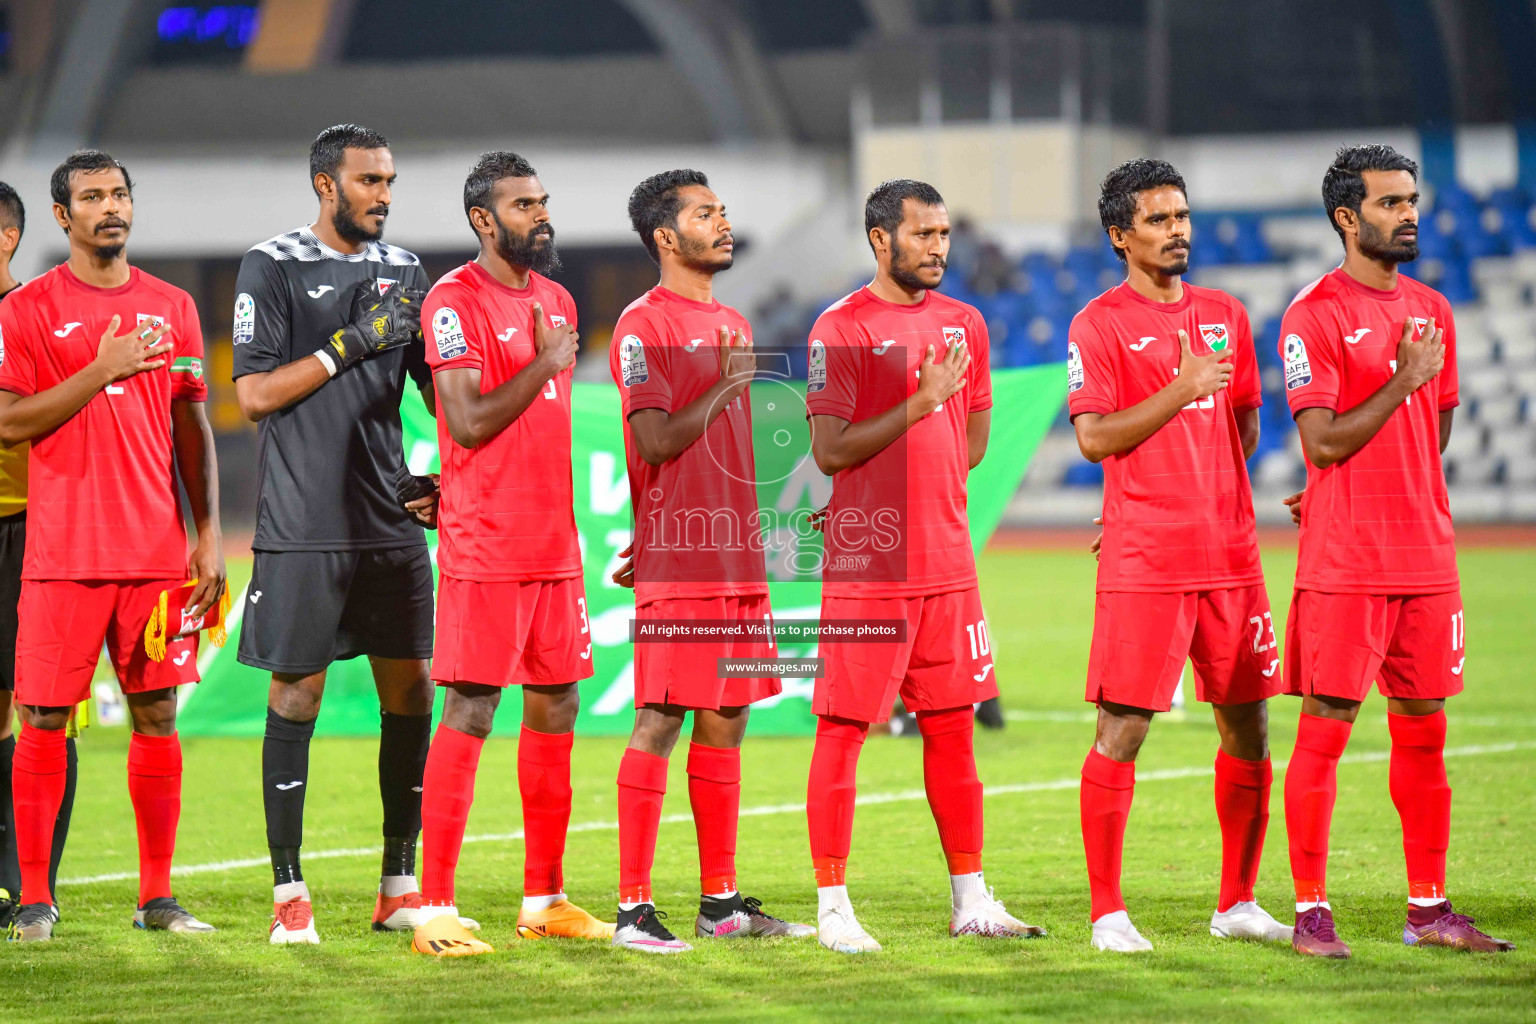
<point>443,935</point>
<point>564,920</point>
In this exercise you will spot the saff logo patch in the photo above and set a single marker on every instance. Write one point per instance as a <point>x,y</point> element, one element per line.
<point>954,337</point>
<point>448,334</point>
<point>245,319</point>
<point>1075,376</point>
<point>632,361</point>
<point>816,371</point>
<point>1298,369</point>
<point>1215,335</point>
<point>556,320</point>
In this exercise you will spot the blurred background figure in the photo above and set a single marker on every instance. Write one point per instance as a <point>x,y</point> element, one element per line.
<point>1013,109</point>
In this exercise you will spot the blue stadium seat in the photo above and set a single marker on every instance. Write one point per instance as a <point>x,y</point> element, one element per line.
<point>1519,214</point>
<point>1084,474</point>
<point>1239,238</point>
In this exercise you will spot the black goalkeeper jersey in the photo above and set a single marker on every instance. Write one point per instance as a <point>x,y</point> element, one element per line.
<point>327,464</point>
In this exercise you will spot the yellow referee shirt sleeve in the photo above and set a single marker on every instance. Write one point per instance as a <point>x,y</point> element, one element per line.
<point>13,479</point>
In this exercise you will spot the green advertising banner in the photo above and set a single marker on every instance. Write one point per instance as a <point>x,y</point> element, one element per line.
<point>231,700</point>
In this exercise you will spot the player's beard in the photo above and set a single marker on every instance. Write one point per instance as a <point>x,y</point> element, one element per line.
<point>526,250</point>
<point>1180,264</point>
<point>346,225</point>
<point>1378,245</point>
<point>112,250</point>
<point>906,275</point>
<point>696,255</point>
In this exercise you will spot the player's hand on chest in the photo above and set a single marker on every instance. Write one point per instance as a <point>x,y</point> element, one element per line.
<point>322,293</point>
<point>124,336</point>
<point>1150,360</point>
<point>1368,351</point>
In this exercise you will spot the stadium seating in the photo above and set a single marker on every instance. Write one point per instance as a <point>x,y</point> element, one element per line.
<point>1479,252</point>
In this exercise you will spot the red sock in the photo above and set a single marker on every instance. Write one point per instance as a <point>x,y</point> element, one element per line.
<point>1104,804</point>
<point>714,793</point>
<point>1423,798</point>
<point>1242,807</point>
<point>544,780</point>
<point>954,791</point>
<point>37,789</point>
<point>1311,786</point>
<point>154,785</point>
<point>642,785</point>
<point>447,790</point>
<point>829,796</point>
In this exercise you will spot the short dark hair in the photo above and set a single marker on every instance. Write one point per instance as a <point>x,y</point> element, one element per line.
<point>12,213</point>
<point>656,202</point>
<point>488,170</point>
<point>1121,186</point>
<point>330,148</point>
<point>82,160</point>
<point>883,207</point>
<point>1344,181</point>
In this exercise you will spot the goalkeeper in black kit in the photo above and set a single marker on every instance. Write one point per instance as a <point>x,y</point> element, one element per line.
<point>327,331</point>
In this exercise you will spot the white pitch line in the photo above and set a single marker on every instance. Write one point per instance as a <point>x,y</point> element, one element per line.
<point>900,796</point>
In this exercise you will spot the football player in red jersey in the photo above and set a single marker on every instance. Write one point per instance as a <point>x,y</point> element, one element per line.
<point>511,610</point>
<point>1370,374</point>
<point>900,399</point>
<point>102,370</point>
<point>683,362</point>
<point>1163,389</point>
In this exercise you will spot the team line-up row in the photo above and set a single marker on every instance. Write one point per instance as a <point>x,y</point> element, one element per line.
<point>330,324</point>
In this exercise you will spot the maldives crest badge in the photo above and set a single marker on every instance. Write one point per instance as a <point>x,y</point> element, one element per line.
<point>1215,336</point>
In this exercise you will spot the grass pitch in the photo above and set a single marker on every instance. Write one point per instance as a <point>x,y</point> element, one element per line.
<point>1040,607</point>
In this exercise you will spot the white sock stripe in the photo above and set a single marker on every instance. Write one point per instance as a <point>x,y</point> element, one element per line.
<point>900,796</point>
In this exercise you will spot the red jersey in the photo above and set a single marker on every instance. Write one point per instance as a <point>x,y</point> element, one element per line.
<point>103,483</point>
<point>1178,508</point>
<point>698,526</point>
<point>507,511</point>
<point>897,525</point>
<point>1378,522</point>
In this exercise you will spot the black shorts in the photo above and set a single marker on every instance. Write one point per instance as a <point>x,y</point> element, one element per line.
<point>13,539</point>
<point>306,609</point>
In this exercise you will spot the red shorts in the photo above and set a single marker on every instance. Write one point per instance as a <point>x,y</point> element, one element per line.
<point>944,662</point>
<point>62,624</point>
<point>511,633</point>
<point>1413,646</point>
<point>687,675</point>
<point>1141,641</point>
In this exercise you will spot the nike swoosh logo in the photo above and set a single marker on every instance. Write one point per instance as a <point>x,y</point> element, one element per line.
<point>1457,670</point>
<point>979,676</point>
<point>63,332</point>
<point>1142,343</point>
<point>1354,338</point>
<point>1272,667</point>
<point>321,291</point>
<point>255,596</point>
<point>181,659</point>
<point>879,349</point>
<point>506,335</point>
<point>415,789</point>
<point>587,653</point>
<point>285,786</point>
<point>695,343</point>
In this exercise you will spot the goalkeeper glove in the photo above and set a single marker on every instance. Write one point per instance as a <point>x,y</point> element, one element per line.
<point>409,487</point>
<point>379,323</point>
